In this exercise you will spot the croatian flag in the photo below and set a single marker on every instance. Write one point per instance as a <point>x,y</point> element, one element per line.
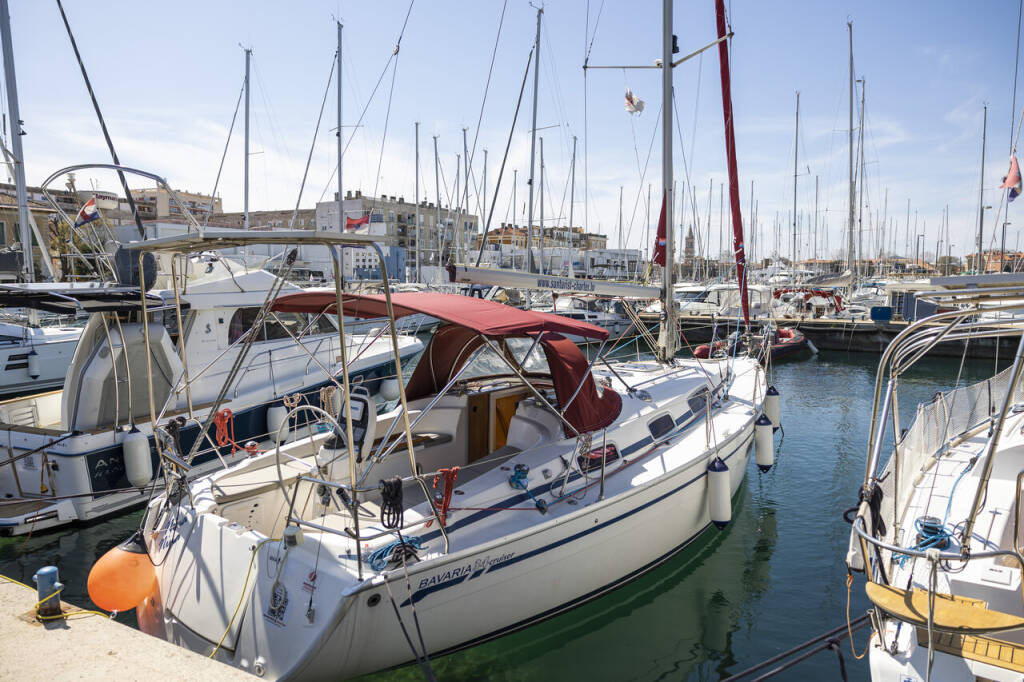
<point>88,213</point>
<point>1012,180</point>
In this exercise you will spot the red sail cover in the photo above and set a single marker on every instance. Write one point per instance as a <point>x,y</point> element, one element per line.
<point>588,411</point>
<point>485,317</point>
<point>659,243</point>
<point>730,151</point>
<point>451,347</point>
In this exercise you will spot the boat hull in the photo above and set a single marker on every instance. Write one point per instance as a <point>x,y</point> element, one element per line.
<point>462,598</point>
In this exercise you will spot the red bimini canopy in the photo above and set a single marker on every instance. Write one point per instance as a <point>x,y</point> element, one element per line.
<point>484,317</point>
<point>470,318</point>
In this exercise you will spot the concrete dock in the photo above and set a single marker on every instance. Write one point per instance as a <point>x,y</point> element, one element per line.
<point>90,647</point>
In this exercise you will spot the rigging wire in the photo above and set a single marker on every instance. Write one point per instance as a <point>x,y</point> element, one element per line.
<point>384,137</point>
<point>312,146</point>
<point>223,157</point>
<point>362,114</point>
<point>276,137</point>
<point>1016,68</point>
<point>508,145</point>
<point>643,177</point>
<point>483,103</point>
<point>586,137</point>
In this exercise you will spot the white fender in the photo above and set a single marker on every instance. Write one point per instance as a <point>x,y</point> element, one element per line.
<point>138,466</point>
<point>772,407</point>
<point>389,389</point>
<point>764,443</point>
<point>276,416</point>
<point>719,493</point>
<point>33,365</point>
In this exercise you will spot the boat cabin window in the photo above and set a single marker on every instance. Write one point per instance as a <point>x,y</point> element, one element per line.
<point>285,323</point>
<point>320,324</point>
<point>169,319</point>
<point>243,319</point>
<point>661,426</point>
<point>488,363</point>
<point>698,401</point>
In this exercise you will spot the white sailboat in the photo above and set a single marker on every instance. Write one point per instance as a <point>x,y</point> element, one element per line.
<point>555,479</point>
<point>937,530</point>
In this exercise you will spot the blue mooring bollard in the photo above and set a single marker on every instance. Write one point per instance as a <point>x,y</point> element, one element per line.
<point>47,584</point>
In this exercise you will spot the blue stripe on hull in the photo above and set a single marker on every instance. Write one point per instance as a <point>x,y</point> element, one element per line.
<point>590,596</point>
<point>420,594</point>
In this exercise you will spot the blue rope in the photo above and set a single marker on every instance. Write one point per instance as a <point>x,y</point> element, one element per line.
<point>379,558</point>
<point>519,480</point>
<point>930,535</point>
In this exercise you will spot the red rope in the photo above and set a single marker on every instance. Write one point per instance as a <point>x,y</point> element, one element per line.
<point>448,476</point>
<point>224,422</point>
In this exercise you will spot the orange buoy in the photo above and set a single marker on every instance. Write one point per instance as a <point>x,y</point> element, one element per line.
<point>122,577</point>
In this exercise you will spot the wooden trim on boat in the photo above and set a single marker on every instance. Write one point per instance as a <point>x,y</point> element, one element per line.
<point>954,614</point>
<point>996,652</point>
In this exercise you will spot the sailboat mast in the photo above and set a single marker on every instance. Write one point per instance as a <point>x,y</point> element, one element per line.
<point>979,262</point>
<point>849,236</point>
<point>533,144</point>
<point>419,268</point>
<point>454,250</point>
<point>438,226</point>
<point>796,155</point>
<point>647,238</point>
<point>815,224</point>
<point>515,216</point>
<point>483,193</point>
<point>245,192</point>
<point>465,200</point>
<point>19,158</point>
<point>860,194</point>
<point>572,182</point>
<point>730,150</point>
<point>341,145</point>
<point>667,335</point>
<point>541,269</point>
<point>620,231</point>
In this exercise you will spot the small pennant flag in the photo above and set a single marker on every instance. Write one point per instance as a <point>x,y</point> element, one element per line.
<point>660,240</point>
<point>1012,180</point>
<point>634,104</point>
<point>88,213</point>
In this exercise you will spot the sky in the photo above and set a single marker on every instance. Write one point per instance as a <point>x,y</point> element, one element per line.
<point>168,77</point>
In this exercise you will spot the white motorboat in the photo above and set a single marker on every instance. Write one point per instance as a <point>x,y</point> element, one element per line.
<point>937,530</point>
<point>34,357</point>
<point>86,451</point>
<point>607,315</point>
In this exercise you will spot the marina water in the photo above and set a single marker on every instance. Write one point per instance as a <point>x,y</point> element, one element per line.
<point>773,579</point>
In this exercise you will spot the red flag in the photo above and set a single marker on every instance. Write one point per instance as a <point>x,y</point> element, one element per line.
<point>352,223</point>
<point>1012,180</point>
<point>659,242</point>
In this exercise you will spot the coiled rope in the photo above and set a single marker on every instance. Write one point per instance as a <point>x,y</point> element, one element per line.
<point>398,551</point>
<point>391,511</point>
